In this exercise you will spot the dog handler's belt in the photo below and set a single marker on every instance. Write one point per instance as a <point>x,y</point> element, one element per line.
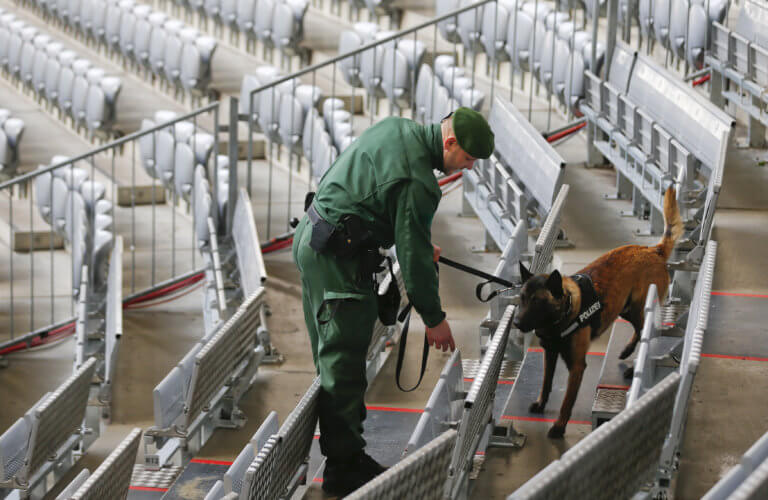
<point>590,307</point>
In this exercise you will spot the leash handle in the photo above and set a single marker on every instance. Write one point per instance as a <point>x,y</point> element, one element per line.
<point>405,318</point>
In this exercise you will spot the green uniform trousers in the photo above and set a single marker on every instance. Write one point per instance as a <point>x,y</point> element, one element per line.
<point>342,296</point>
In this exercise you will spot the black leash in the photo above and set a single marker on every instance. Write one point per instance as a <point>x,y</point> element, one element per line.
<point>482,274</point>
<point>405,315</point>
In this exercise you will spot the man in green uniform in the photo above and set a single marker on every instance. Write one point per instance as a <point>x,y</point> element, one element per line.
<point>381,191</point>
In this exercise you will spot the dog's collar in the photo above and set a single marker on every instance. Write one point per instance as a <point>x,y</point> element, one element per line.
<point>590,306</point>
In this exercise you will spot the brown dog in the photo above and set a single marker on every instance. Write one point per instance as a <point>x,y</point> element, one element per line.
<point>568,312</point>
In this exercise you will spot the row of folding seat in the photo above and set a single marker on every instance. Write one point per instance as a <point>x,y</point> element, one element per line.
<point>76,209</point>
<point>534,36</point>
<point>388,70</point>
<point>682,26</point>
<point>150,40</point>
<point>81,91</point>
<point>275,23</point>
<point>287,114</point>
<point>173,154</point>
<point>11,132</point>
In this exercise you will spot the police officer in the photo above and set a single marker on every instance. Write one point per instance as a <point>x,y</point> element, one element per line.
<point>380,191</point>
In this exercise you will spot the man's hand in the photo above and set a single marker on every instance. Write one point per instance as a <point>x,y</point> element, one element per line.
<point>441,336</point>
<point>436,252</point>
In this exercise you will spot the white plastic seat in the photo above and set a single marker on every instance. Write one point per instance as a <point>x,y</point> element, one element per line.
<point>157,44</point>
<point>101,103</point>
<point>183,170</point>
<point>228,13</point>
<point>448,28</point>
<point>469,26</point>
<point>128,23</point>
<point>172,56</point>
<point>195,70</point>
<point>395,77</point>
<point>291,122</point>
<point>245,16</point>
<point>99,20</point>
<point>148,148</point>
<point>164,161</point>
<point>202,144</point>
<point>350,66</point>
<point>662,11</point>
<point>309,96</point>
<point>113,22</point>
<point>183,130</point>
<point>212,9</point>
<point>493,34</point>
<point>38,68</point>
<point>142,36</point>
<point>79,89</point>
<point>265,14</point>
<point>518,39</point>
<point>92,191</point>
<point>287,24</point>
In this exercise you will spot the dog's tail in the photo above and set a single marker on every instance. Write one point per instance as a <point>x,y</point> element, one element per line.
<point>673,224</point>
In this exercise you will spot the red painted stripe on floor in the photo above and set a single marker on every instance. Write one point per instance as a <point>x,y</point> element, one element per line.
<point>737,294</point>
<point>727,356</point>
<point>390,408</point>
<point>210,462</point>
<point>541,419</point>
<point>147,488</point>
<point>590,353</point>
<point>609,386</point>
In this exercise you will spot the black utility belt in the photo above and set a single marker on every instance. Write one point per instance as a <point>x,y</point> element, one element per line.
<point>348,239</point>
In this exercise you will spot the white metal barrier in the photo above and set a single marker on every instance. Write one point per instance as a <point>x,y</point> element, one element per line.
<point>614,460</point>
<point>54,427</point>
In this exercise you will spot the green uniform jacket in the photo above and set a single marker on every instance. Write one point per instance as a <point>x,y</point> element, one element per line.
<point>386,178</point>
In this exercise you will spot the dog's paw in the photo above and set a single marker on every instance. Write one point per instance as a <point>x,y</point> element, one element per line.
<point>628,350</point>
<point>556,432</point>
<point>536,407</point>
<point>629,372</point>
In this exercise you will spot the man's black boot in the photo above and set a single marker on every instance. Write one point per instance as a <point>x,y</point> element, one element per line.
<point>343,476</point>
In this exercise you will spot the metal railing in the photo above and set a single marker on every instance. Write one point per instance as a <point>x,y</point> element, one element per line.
<point>40,290</point>
<point>313,114</point>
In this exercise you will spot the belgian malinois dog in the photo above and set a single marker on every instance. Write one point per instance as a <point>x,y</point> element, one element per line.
<point>566,321</point>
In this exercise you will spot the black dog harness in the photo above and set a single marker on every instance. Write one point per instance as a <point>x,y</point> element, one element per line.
<point>590,307</point>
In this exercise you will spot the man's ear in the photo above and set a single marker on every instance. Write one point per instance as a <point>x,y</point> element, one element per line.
<point>555,283</point>
<point>449,141</point>
<point>525,274</point>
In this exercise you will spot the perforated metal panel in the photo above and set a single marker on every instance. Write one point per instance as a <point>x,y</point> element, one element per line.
<point>222,354</point>
<point>609,401</point>
<point>112,478</point>
<point>616,458</point>
<point>545,243</point>
<point>270,473</point>
<point>59,416</point>
<point>296,436</point>
<point>260,476</point>
<point>479,402</point>
<point>420,475</point>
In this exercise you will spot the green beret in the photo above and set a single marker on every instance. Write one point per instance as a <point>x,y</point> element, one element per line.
<point>473,133</point>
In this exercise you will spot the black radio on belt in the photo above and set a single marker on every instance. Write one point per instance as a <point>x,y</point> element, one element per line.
<point>348,239</point>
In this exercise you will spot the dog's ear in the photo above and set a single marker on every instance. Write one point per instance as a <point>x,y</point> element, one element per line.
<point>525,274</point>
<point>555,284</point>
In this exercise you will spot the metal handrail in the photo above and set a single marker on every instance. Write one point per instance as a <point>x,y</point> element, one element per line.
<point>114,144</point>
<point>351,53</point>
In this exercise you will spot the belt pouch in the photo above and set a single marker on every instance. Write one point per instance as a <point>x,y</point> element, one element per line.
<point>322,232</point>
